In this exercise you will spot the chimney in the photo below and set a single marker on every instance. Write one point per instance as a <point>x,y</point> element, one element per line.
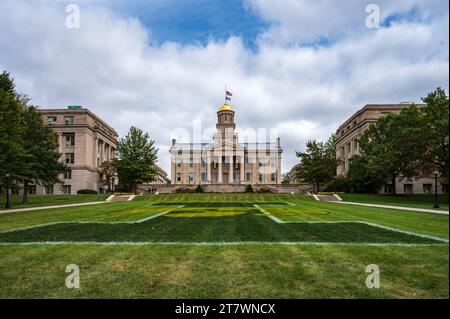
<point>278,142</point>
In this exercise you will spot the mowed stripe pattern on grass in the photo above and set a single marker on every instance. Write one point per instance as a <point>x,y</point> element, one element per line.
<point>249,225</point>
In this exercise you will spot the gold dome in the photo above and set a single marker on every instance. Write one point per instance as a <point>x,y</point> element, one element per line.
<point>226,107</point>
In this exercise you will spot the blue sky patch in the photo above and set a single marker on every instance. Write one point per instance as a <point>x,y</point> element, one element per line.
<point>196,21</point>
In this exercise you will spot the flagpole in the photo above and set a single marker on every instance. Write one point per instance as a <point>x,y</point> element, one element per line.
<point>225,93</point>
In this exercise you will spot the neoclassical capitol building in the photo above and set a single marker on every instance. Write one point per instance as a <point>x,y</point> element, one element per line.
<point>225,160</point>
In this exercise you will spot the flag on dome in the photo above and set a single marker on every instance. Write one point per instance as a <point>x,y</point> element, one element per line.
<point>228,93</point>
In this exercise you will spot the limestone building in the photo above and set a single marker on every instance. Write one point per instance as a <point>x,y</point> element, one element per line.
<point>352,129</point>
<point>85,142</point>
<point>225,160</point>
<point>161,176</point>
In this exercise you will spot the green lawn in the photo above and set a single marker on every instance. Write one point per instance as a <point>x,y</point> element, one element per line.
<point>50,200</point>
<point>180,254</point>
<point>418,200</point>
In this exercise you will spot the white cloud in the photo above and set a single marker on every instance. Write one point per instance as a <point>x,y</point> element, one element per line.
<point>112,66</point>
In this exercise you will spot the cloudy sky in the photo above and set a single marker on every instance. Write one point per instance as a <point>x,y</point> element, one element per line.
<point>298,66</point>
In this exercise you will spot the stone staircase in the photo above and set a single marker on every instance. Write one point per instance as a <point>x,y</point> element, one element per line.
<point>327,198</point>
<point>120,198</point>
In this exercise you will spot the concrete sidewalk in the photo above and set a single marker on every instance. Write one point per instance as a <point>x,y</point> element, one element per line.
<point>413,209</point>
<point>16,210</point>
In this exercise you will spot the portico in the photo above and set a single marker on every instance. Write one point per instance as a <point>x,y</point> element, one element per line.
<point>225,160</point>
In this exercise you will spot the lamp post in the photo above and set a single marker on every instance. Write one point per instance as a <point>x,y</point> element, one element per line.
<point>436,202</point>
<point>8,203</point>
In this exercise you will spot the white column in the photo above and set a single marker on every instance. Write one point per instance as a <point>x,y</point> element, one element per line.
<point>208,168</point>
<point>242,171</point>
<point>219,163</point>
<point>230,170</point>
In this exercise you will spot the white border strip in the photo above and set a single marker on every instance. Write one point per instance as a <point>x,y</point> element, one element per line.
<point>90,222</point>
<point>277,220</point>
<point>231,243</point>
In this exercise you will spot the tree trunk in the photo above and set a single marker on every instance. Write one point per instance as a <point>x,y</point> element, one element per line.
<point>394,190</point>
<point>25,193</point>
<point>318,186</point>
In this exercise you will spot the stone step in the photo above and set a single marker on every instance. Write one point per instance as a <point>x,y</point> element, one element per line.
<point>328,198</point>
<point>121,198</point>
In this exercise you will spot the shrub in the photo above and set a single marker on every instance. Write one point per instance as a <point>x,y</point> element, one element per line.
<point>340,184</point>
<point>264,190</point>
<point>86,191</point>
<point>199,189</point>
<point>249,189</point>
<point>184,190</point>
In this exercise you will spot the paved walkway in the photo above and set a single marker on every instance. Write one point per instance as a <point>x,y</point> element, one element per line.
<point>422,210</point>
<point>16,210</point>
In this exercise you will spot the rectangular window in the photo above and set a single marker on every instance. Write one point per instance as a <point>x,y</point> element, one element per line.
<point>191,163</point>
<point>69,139</point>
<point>203,177</point>
<point>388,189</point>
<point>408,188</point>
<point>51,120</point>
<point>260,163</point>
<point>49,190</point>
<point>191,178</point>
<point>178,177</point>
<point>67,189</point>
<point>273,161</point>
<point>272,177</point>
<point>260,177</point>
<point>427,188</point>
<point>32,189</point>
<point>70,158</point>
<point>68,174</point>
<point>248,177</point>
<point>179,163</point>
<point>69,120</point>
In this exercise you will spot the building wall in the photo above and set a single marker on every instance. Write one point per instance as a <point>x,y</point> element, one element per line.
<point>95,142</point>
<point>349,133</point>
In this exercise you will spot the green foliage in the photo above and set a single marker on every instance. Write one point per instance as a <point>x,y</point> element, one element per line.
<point>44,166</point>
<point>108,171</point>
<point>14,158</point>
<point>249,189</point>
<point>361,178</point>
<point>318,164</point>
<point>184,191</point>
<point>199,189</point>
<point>27,146</point>
<point>436,131</point>
<point>393,146</point>
<point>340,184</point>
<point>86,191</point>
<point>285,179</point>
<point>264,190</point>
<point>136,157</point>
<point>410,144</point>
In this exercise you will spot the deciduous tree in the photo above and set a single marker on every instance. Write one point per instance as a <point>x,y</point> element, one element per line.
<point>318,164</point>
<point>136,158</point>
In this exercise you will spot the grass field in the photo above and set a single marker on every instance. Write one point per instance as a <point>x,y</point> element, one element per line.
<point>50,200</point>
<point>415,200</point>
<point>224,245</point>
